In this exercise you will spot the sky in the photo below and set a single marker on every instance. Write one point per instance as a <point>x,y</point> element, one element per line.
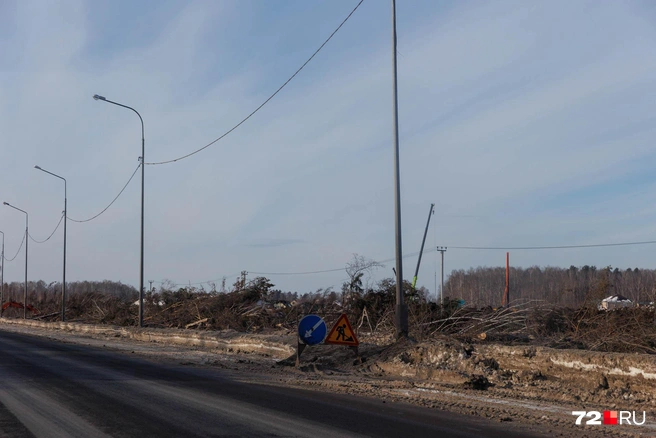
<point>526,123</point>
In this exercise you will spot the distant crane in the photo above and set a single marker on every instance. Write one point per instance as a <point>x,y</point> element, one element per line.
<point>421,251</point>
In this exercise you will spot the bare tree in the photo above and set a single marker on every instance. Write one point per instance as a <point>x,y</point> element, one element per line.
<point>167,285</point>
<point>356,270</point>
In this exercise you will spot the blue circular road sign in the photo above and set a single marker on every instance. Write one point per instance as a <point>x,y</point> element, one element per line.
<point>312,330</point>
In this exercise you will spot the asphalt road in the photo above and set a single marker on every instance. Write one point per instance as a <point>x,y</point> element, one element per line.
<point>52,389</point>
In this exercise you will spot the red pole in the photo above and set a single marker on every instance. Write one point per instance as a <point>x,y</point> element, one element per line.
<point>506,293</point>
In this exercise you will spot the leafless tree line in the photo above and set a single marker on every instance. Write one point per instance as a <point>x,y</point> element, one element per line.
<point>571,287</point>
<point>42,293</point>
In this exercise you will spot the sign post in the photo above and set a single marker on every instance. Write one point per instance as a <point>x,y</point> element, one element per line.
<point>311,331</point>
<point>343,334</point>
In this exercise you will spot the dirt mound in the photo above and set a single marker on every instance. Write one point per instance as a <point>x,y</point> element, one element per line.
<point>539,373</point>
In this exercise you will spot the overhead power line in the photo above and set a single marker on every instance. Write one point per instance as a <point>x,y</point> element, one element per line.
<point>17,252</point>
<point>110,204</point>
<point>268,99</point>
<point>297,273</point>
<point>596,245</point>
<point>51,234</point>
<point>199,283</point>
<point>413,254</point>
<point>323,271</point>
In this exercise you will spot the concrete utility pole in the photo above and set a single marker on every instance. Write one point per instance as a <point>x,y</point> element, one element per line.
<point>401,318</point>
<point>2,274</point>
<point>442,249</point>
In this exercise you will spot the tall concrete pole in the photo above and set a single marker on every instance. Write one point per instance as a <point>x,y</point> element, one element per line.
<point>27,235</point>
<point>401,319</point>
<point>2,274</point>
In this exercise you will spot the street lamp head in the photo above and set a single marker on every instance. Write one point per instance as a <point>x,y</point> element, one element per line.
<point>6,203</point>
<point>37,167</point>
<point>97,97</point>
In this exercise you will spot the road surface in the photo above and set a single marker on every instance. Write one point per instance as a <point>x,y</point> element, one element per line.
<point>53,389</point>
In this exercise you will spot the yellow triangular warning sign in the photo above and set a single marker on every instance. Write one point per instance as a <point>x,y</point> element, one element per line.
<point>342,333</point>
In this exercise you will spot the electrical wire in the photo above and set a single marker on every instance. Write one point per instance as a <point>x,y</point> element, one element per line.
<point>331,270</point>
<point>267,100</point>
<point>434,249</point>
<point>17,252</point>
<point>110,204</point>
<point>51,234</point>
<point>198,282</point>
<point>296,273</point>
<point>596,245</point>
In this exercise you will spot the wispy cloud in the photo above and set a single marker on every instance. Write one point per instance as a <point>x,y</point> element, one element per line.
<point>526,123</point>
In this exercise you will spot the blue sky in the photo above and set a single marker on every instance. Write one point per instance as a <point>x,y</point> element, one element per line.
<point>526,123</point>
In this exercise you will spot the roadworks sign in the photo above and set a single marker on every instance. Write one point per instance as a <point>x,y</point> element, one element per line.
<point>342,333</point>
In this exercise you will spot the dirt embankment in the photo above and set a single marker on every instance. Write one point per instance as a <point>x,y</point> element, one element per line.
<point>607,380</point>
<point>536,386</point>
<point>228,340</point>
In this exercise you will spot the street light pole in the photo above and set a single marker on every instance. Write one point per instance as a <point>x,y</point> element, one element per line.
<point>26,241</point>
<point>63,303</point>
<point>143,167</point>
<point>2,274</point>
<point>401,319</point>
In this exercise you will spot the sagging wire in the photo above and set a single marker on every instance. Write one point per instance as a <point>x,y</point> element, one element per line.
<point>51,234</point>
<point>17,252</point>
<point>267,100</point>
<point>111,203</point>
